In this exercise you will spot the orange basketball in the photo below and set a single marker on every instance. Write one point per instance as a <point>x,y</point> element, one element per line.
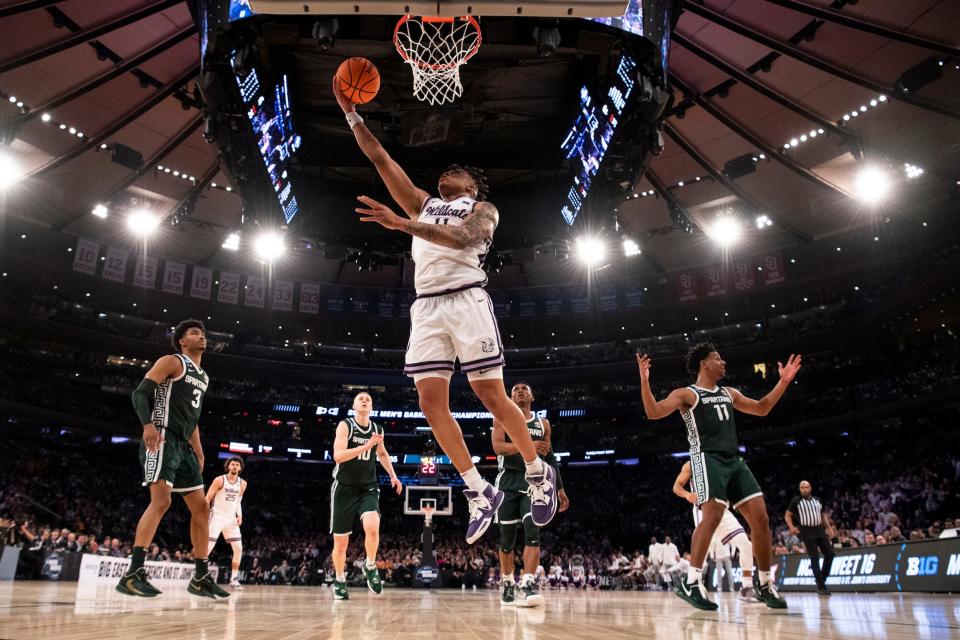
<point>358,80</point>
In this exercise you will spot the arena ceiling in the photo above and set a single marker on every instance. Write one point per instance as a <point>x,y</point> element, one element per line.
<point>748,76</point>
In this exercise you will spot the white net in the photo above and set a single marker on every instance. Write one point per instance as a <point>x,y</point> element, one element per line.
<point>435,48</point>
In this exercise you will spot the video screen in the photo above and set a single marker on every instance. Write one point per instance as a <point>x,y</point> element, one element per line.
<point>648,19</point>
<point>240,9</point>
<point>587,140</point>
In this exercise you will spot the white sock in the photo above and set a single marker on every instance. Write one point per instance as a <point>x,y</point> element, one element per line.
<point>371,564</point>
<point>764,576</point>
<point>694,575</point>
<point>474,480</point>
<point>534,467</point>
<point>341,577</point>
<point>508,579</point>
<point>526,579</point>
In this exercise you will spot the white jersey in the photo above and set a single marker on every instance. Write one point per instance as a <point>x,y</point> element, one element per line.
<point>227,500</point>
<point>438,268</point>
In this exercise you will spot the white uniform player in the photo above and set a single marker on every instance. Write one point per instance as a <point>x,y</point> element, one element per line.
<point>226,514</point>
<point>452,317</point>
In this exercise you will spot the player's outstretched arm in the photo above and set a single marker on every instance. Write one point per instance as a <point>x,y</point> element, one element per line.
<point>656,409</point>
<point>384,457</point>
<point>680,484</point>
<point>764,405</point>
<point>476,228</point>
<point>401,188</point>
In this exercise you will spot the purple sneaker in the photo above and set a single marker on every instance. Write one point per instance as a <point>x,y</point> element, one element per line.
<point>543,496</point>
<point>483,507</point>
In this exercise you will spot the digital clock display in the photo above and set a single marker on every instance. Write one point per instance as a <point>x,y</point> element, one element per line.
<point>428,467</point>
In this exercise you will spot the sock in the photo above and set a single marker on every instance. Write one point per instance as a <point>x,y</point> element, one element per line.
<point>201,568</point>
<point>341,577</point>
<point>371,564</point>
<point>764,576</point>
<point>694,575</point>
<point>534,467</point>
<point>474,480</point>
<point>508,579</point>
<point>527,579</point>
<point>136,561</point>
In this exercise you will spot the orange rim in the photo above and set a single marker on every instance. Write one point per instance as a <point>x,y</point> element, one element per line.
<point>437,67</point>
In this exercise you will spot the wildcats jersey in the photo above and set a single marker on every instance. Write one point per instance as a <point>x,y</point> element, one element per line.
<point>438,268</point>
<point>227,500</point>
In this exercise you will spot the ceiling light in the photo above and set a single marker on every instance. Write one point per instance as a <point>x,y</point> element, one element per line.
<point>726,230</point>
<point>872,185</point>
<point>269,246</point>
<point>100,210</point>
<point>45,117</point>
<point>142,222</point>
<point>590,251</point>
<point>232,242</point>
<point>10,171</point>
<point>763,221</point>
<point>630,248</point>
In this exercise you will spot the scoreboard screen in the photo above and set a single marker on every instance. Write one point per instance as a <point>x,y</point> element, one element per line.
<point>428,468</point>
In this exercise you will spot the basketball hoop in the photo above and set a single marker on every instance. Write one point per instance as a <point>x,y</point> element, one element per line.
<point>435,47</point>
<point>428,514</point>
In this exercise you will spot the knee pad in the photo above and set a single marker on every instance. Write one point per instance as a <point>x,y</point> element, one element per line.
<point>531,533</point>
<point>508,537</point>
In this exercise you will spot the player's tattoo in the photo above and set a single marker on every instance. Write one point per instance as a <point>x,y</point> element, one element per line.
<point>478,227</point>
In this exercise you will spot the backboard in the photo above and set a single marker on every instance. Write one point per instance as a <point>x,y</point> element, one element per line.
<point>416,497</point>
<point>535,8</point>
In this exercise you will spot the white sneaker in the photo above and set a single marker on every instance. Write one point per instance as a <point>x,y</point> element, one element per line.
<point>527,595</point>
<point>235,585</point>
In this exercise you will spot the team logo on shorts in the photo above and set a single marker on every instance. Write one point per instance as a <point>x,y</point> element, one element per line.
<point>487,345</point>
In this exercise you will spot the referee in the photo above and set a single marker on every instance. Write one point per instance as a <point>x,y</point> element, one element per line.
<point>807,511</point>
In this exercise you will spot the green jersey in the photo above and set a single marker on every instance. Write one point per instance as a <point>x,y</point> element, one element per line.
<point>177,402</point>
<point>710,423</point>
<point>511,468</point>
<point>362,470</point>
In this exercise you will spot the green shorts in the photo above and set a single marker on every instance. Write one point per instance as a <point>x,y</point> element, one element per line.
<point>724,478</point>
<point>514,508</point>
<point>349,502</point>
<point>175,464</point>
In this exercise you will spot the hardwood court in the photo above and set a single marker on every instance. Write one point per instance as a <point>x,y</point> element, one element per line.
<point>61,612</point>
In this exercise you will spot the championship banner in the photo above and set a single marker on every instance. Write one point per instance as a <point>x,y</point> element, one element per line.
<point>686,286</point>
<point>773,271</point>
<point>553,302</point>
<point>283,295</point>
<point>229,288</point>
<point>715,281</point>
<point>406,301</point>
<point>528,306</point>
<point>502,302</point>
<point>309,298</point>
<point>633,294</point>
<point>360,301</point>
<point>922,565</point>
<point>743,276</point>
<point>115,265</point>
<point>106,570</point>
<point>145,272</point>
<point>201,283</point>
<point>174,275</point>
<point>85,258</point>
<point>253,292</point>
<point>386,302</point>
<point>335,299</point>
<point>579,300</point>
<point>607,298</point>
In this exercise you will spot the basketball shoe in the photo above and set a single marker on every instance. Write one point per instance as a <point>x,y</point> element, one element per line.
<point>543,496</point>
<point>483,507</point>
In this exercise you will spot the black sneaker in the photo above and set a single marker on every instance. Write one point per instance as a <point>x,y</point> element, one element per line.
<point>693,593</point>
<point>771,597</point>
<point>528,596</point>
<point>823,591</point>
<point>508,595</point>
<point>206,587</point>
<point>136,584</point>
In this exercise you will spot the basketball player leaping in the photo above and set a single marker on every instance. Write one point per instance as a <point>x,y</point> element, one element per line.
<point>453,317</point>
<point>515,510</point>
<point>356,492</point>
<point>720,475</point>
<point>226,514</point>
<point>172,456</point>
<point>728,531</point>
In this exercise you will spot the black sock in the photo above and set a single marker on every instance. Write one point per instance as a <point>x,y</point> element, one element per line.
<point>136,560</point>
<point>201,567</point>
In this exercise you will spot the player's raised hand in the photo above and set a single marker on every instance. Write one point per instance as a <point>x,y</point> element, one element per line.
<point>374,440</point>
<point>396,484</point>
<point>345,104</point>
<point>542,447</point>
<point>789,371</point>
<point>151,438</point>
<point>643,362</point>
<point>379,213</point>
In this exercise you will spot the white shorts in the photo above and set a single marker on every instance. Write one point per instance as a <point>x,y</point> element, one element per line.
<point>227,525</point>
<point>728,529</point>
<point>460,326</point>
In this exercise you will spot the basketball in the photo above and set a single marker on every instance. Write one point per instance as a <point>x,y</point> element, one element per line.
<point>358,80</point>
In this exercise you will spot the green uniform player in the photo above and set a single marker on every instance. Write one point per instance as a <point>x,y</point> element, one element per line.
<point>172,457</point>
<point>720,477</point>
<point>514,512</point>
<point>355,492</point>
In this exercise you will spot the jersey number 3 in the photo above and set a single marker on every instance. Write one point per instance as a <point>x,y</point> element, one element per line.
<point>196,398</point>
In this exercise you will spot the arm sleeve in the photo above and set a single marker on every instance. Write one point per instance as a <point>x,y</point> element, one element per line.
<point>141,399</point>
<point>553,462</point>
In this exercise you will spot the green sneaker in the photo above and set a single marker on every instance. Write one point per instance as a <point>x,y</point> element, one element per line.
<point>771,597</point>
<point>340,591</point>
<point>136,584</point>
<point>373,579</point>
<point>508,595</point>
<point>693,593</point>
<point>206,587</point>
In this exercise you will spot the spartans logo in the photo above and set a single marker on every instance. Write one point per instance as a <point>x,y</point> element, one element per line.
<point>487,345</point>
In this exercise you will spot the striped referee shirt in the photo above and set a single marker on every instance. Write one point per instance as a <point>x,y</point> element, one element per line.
<point>808,511</point>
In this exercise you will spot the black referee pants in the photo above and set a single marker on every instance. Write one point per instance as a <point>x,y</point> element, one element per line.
<point>816,541</point>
